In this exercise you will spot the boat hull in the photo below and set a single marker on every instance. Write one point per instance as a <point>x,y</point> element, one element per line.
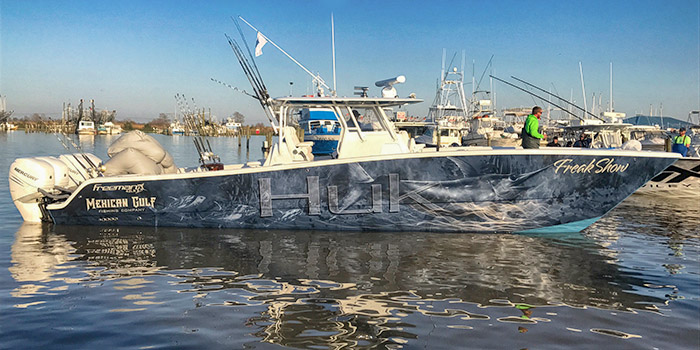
<point>446,192</point>
<point>679,181</point>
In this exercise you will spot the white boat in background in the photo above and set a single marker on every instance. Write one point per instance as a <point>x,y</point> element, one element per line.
<point>232,126</point>
<point>651,137</point>
<point>444,134</point>
<point>108,128</point>
<point>448,112</point>
<point>176,128</point>
<point>7,126</point>
<point>679,181</point>
<point>86,127</point>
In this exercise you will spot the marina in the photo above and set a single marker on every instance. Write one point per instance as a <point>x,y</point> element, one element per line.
<point>285,204</point>
<point>619,283</point>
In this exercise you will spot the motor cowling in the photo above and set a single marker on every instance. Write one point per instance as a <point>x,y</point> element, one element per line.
<point>60,171</point>
<point>27,176</point>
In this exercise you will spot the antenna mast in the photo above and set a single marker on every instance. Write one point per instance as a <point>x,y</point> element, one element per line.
<point>583,87</point>
<point>333,41</point>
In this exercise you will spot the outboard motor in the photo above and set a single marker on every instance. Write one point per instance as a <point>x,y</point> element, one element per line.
<point>27,177</point>
<point>33,181</point>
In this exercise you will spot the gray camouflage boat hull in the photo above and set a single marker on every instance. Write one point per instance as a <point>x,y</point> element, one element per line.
<point>446,191</point>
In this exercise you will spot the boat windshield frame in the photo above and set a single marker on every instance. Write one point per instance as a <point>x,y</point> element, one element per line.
<point>285,106</point>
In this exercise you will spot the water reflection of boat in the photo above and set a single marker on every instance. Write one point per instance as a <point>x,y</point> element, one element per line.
<point>350,286</point>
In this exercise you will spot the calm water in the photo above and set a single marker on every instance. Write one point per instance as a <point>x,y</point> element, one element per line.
<point>631,281</point>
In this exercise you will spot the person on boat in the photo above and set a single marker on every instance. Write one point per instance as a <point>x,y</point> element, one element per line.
<point>583,141</point>
<point>681,143</point>
<point>555,142</point>
<point>531,136</point>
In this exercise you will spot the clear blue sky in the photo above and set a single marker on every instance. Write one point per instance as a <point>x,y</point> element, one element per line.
<point>134,56</point>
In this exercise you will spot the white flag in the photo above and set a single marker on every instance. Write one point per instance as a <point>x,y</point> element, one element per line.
<point>259,43</point>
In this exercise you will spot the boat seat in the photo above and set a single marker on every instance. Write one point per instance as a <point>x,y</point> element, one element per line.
<point>300,151</point>
<point>292,149</point>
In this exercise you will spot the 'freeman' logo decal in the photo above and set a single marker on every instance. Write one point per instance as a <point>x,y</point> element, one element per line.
<point>138,188</point>
<point>605,165</point>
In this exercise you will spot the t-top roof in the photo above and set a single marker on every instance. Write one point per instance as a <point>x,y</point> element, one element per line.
<point>352,102</point>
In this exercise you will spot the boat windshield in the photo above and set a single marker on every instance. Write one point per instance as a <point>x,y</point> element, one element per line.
<point>366,118</point>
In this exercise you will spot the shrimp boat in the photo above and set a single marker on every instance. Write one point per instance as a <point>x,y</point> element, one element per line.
<point>377,179</point>
<point>85,127</point>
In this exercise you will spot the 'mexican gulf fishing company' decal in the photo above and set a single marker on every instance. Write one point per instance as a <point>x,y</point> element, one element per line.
<point>119,204</point>
<point>605,165</point>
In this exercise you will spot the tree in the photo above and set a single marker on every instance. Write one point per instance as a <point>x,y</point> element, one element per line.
<point>147,128</point>
<point>238,117</point>
<point>162,121</point>
<point>128,125</point>
<point>5,115</point>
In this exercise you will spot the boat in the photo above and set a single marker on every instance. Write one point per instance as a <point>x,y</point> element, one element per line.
<point>485,129</point>
<point>102,130</point>
<point>442,133</point>
<point>176,128</point>
<point>378,179</point>
<point>321,126</point>
<point>85,127</point>
<point>682,179</point>
<point>651,137</point>
<point>112,129</point>
<point>232,127</point>
<point>7,126</point>
<point>447,114</point>
<point>679,181</point>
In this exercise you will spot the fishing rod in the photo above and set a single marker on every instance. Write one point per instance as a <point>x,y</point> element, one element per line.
<point>89,170</point>
<point>482,74</point>
<point>69,160</point>
<point>255,80</point>
<point>250,71</point>
<point>551,94</point>
<point>93,168</point>
<point>535,95</point>
<point>250,54</point>
<point>205,151</point>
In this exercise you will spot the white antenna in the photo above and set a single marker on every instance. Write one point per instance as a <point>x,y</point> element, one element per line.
<point>333,41</point>
<point>442,72</point>
<point>583,87</point>
<point>611,108</point>
<point>317,78</point>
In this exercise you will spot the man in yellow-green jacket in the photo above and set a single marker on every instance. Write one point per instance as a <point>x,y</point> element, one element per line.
<point>530,135</point>
<point>681,143</point>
